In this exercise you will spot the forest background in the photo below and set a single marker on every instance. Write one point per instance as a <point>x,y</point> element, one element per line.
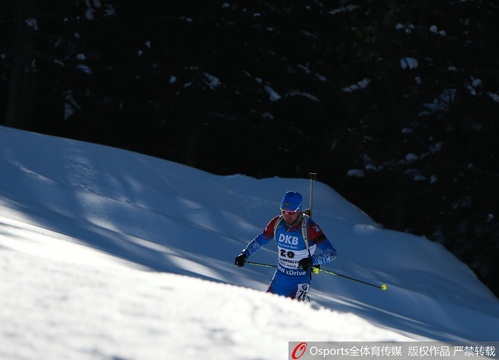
<point>394,98</point>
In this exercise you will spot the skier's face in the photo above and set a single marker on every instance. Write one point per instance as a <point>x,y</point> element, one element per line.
<point>290,216</point>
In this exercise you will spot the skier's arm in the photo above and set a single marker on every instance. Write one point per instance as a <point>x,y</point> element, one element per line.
<point>255,244</point>
<point>262,239</point>
<point>328,253</point>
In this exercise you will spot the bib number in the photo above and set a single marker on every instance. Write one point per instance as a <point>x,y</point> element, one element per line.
<point>287,254</point>
<point>302,292</point>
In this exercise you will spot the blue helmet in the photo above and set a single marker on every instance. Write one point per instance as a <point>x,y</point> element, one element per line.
<point>291,201</point>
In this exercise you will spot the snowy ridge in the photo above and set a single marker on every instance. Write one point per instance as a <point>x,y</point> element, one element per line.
<point>109,254</point>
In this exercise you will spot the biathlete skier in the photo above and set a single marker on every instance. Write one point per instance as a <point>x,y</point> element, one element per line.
<point>297,237</point>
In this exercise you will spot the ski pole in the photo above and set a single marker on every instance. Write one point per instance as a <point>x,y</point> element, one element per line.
<point>261,264</point>
<point>382,286</point>
<point>317,269</point>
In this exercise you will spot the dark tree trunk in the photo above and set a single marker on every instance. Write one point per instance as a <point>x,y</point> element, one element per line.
<point>21,93</point>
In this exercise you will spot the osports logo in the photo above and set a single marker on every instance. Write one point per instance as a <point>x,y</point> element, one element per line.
<point>299,350</point>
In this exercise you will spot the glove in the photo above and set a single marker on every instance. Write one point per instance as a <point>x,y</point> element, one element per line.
<point>240,260</point>
<point>305,263</point>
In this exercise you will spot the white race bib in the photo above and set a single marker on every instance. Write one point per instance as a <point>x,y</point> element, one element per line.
<point>302,292</point>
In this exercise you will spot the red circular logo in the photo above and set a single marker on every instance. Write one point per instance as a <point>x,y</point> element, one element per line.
<point>299,350</point>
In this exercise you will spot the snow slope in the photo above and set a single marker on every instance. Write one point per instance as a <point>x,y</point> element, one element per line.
<point>109,254</point>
